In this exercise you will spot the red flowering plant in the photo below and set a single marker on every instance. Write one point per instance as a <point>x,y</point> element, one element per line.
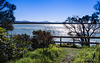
<point>41,39</point>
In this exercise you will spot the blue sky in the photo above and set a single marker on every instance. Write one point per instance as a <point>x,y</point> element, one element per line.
<point>51,10</point>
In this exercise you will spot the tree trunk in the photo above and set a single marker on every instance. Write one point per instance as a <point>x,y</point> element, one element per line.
<point>88,39</point>
<point>88,42</point>
<point>82,40</point>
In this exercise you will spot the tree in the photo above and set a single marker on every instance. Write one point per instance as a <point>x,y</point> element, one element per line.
<point>86,26</point>
<point>6,14</point>
<point>97,7</point>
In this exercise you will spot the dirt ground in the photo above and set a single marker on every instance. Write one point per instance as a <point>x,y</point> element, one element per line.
<point>70,54</point>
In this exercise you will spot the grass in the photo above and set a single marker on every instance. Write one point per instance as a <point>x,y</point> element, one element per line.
<point>72,51</point>
<point>52,54</point>
<point>71,54</point>
<point>88,55</point>
<point>56,54</point>
<point>70,46</point>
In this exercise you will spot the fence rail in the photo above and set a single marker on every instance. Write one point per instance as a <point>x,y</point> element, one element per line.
<point>73,37</point>
<point>74,41</point>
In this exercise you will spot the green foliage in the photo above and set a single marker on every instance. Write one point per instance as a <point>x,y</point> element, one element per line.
<point>12,47</point>
<point>6,14</point>
<point>52,54</point>
<point>66,45</point>
<point>21,45</point>
<point>97,7</point>
<point>41,39</point>
<point>4,46</point>
<point>84,46</point>
<point>3,56</point>
<point>88,55</point>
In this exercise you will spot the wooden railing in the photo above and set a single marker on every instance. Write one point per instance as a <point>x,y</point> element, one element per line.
<point>75,42</point>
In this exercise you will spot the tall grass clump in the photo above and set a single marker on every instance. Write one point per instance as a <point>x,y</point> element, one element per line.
<point>88,55</point>
<point>52,54</point>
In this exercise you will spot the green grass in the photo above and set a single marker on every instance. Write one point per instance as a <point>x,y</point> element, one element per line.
<point>88,55</point>
<point>72,51</point>
<point>52,54</point>
<point>70,46</point>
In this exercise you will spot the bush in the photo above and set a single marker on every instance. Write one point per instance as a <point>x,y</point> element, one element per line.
<point>41,39</point>
<point>21,45</point>
<point>3,56</point>
<point>5,50</point>
<point>51,54</point>
<point>70,46</point>
<point>89,55</point>
<point>12,47</point>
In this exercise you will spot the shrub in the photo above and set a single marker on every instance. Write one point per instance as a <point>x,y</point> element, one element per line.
<point>5,50</point>
<point>3,56</point>
<point>22,44</point>
<point>51,54</point>
<point>12,47</point>
<point>70,46</point>
<point>88,55</point>
<point>41,39</point>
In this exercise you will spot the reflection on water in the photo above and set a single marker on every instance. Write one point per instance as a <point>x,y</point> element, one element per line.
<point>55,29</point>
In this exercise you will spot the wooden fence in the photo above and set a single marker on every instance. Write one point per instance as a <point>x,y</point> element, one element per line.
<point>75,42</point>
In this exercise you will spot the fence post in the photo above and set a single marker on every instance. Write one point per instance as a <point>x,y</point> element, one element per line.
<point>60,41</point>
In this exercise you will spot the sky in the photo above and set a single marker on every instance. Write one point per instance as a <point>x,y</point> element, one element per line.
<point>51,10</point>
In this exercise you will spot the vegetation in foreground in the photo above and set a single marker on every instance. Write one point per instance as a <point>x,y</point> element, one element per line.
<point>16,48</point>
<point>12,47</point>
<point>52,54</point>
<point>88,55</point>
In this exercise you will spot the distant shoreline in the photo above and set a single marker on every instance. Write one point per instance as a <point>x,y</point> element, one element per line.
<point>48,23</point>
<point>36,23</point>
